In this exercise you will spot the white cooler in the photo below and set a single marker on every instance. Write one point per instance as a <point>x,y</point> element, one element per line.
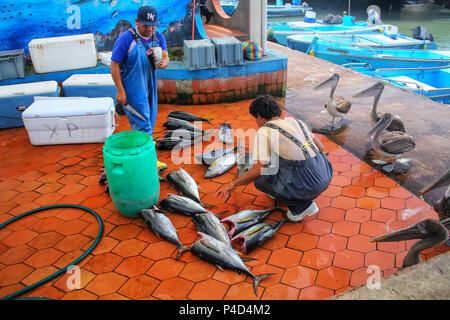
<point>90,86</point>
<point>15,98</point>
<point>63,53</point>
<point>66,121</point>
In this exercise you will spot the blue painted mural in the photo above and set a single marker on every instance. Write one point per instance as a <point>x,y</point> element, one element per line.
<point>24,20</point>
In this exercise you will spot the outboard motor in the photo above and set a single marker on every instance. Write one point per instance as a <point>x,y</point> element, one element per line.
<point>337,19</point>
<point>419,33</point>
<point>373,18</point>
<point>373,15</point>
<point>328,18</point>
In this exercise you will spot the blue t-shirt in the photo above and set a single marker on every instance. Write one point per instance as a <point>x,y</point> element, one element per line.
<point>125,44</point>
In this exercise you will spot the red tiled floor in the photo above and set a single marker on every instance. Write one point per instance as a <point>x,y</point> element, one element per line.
<point>325,254</point>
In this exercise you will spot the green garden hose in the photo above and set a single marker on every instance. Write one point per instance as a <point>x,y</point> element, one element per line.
<point>76,261</point>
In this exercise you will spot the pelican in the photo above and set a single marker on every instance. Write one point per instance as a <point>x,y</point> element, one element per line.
<point>375,91</point>
<point>442,207</point>
<point>336,106</point>
<point>431,232</point>
<point>389,143</point>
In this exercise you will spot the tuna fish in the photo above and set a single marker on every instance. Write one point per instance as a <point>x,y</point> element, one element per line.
<point>209,223</point>
<point>181,204</point>
<point>240,221</point>
<point>174,124</point>
<point>225,133</point>
<point>211,156</point>
<point>184,183</point>
<point>162,226</point>
<point>245,163</point>
<point>183,133</point>
<point>256,235</point>
<point>178,142</point>
<point>186,116</point>
<point>221,165</point>
<point>222,255</point>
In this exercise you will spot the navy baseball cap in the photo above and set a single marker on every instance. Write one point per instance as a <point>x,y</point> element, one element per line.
<point>148,16</point>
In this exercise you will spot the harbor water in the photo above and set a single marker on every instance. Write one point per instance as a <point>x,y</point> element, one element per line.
<point>434,18</point>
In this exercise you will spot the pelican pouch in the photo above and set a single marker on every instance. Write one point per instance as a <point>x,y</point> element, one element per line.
<point>297,182</point>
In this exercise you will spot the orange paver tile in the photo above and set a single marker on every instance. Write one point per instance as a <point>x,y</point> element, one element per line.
<point>139,287</point>
<point>106,283</point>
<point>280,292</point>
<point>299,277</point>
<point>16,254</point>
<point>285,257</point>
<point>317,259</point>
<point>173,289</point>
<point>134,266</point>
<point>102,263</point>
<point>315,293</point>
<point>333,278</point>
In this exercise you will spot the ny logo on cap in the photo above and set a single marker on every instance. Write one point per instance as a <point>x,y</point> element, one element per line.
<point>150,16</point>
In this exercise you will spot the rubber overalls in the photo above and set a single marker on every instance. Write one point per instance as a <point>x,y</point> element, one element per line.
<point>139,82</point>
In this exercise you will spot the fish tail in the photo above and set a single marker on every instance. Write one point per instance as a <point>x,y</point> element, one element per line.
<point>182,250</point>
<point>257,280</point>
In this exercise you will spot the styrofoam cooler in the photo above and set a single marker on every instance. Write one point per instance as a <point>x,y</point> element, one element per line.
<point>66,121</point>
<point>63,53</point>
<point>15,98</point>
<point>90,86</point>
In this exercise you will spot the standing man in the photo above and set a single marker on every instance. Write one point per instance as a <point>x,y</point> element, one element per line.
<point>133,68</point>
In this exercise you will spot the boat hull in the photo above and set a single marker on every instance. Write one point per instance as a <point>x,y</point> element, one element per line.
<point>434,83</point>
<point>374,40</point>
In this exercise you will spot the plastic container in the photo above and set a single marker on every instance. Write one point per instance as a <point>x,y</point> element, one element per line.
<point>16,98</point>
<point>12,64</point>
<point>199,54</point>
<point>310,16</point>
<point>228,51</point>
<point>130,163</point>
<point>63,53</point>
<point>90,86</point>
<point>67,121</point>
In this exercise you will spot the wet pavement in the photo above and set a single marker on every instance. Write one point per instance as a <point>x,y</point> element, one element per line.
<point>426,121</point>
<point>326,254</point>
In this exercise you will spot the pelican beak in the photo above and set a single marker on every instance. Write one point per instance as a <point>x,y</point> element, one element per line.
<point>370,92</point>
<point>442,180</point>
<point>382,124</point>
<point>408,233</point>
<point>331,82</point>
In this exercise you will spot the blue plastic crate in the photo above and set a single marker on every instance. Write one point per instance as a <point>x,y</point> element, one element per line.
<point>228,51</point>
<point>199,54</point>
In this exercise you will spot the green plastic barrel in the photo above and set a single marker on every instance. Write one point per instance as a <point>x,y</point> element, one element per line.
<point>130,164</point>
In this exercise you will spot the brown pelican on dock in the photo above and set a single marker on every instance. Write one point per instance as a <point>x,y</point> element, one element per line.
<point>442,207</point>
<point>431,232</point>
<point>336,106</point>
<point>389,143</point>
<point>375,91</point>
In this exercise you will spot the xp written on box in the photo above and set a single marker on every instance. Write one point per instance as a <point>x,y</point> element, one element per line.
<point>68,121</point>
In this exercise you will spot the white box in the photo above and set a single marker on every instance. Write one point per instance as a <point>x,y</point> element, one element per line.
<point>90,86</point>
<point>66,121</point>
<point>15,98</point>
<point>63,53</point>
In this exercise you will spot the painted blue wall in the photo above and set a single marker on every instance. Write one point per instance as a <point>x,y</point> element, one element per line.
<point>24,20</point>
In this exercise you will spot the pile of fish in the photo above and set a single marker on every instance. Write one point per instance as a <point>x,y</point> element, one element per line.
<point>246,228</point>
<point>182,133</point>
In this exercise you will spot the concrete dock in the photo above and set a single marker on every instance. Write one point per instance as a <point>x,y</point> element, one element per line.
<point>428,122</point>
